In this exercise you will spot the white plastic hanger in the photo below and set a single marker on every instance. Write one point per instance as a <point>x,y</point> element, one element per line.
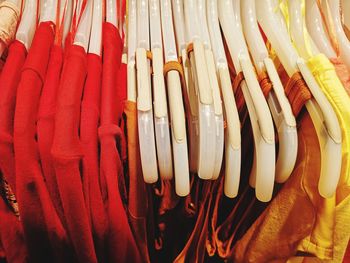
<point>177,111</point>
<point>206,112</point>
<point>344,43</point>
<point>321,112</point>
<point>263,171</point>
<point>193,124</point>
<point>165,162</point>
<point>27,25</point>
<point>95,44</point>
<point>67,19</point>
<point>144,97</point>
<point>316,29</point>
<point>82,37</point>
<point>209,57</point>
<point>279,106</point>
<point>233,131</point>
<point>132,43</point>
<point>111,12</point>
<point>48,10</point>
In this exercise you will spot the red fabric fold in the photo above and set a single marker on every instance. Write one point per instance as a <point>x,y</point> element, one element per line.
<point>90,115</point>
<point>67,153</point>
<point>44,234</point>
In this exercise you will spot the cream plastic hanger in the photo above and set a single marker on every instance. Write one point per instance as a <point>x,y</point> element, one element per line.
<point>206,112</point>
<point>2,44</point>
<point>111,12</point>
<point>144,97</point>
<point>132,42</point>
<point>263,171</point>
<point>161,120</point>
<point>219,118</point>
<point>344,43</point>
<point>321,112</point>
<point>67,19</point>
<point>315,27</point>
<point>233,131</point>
<point>27,25</point>
<point>48,11</point>
<point>95,44</point>
<point>82,36</point>
<point>177,111</point>
<point>280,108</point>
<point>193,124</point>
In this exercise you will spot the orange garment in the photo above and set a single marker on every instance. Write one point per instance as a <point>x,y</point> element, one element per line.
<point>137,209</point>
<point>342,73</point>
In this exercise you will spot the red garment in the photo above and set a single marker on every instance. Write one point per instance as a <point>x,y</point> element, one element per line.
<point>44,234</point>
<point>121,243</point>
<point>90,113</point>
<point>46,125</point>
<point>67,153</point>
<point>11,231</point>
<point>8,87</point>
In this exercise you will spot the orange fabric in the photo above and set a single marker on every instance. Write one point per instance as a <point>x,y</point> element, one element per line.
<point>137,209</point>
<point>189,49</point>
<point>265,83</point>
<point>237,89</point>
<point>342,73</point>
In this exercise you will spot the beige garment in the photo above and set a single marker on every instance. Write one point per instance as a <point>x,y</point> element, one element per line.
<point>9,17</point>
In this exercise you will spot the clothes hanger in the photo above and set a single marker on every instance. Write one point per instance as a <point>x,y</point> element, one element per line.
<point>161,120</point>
<point>82,37</point>
<point>144,96</point>
<point>233,131</point>
<point>27,25</point>
<point>279,106</point>
<point>192,112</point>
<point>209,56</point>
<point>320,110</point>
<point>345,4</point>
<point>177,111</point>
<point>263,171</point>
<point>67,18</point>
<point>111,12</point>
<point>343,41</point>
<point>95,43</point>
<point>48,10</point>
<point>315,27</point>
<point>206,112</point>
<point>132,42</point>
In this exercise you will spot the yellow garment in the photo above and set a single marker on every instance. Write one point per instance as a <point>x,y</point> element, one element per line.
<point>9,15</point>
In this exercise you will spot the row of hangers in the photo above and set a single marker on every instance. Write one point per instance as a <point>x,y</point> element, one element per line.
<point>190,30</point>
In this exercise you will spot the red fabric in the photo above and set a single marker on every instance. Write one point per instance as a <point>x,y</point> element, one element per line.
<point>90,113</point>
<point>42,227</point>
<point>11,231</point>
<point>46,125</point>
<point>121,243</point>
<point>9,81</point>
<point>67,153</point>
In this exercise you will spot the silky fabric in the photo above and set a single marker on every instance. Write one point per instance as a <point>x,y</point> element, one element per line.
<point>9,80</point>
<point>120,241</point>
<point>44,234</point>
<point>342,73</point>
<point>9,16</point>
<point>67,153</point>
<point>137,211</point>
<point>46,125</point>
<point>90,115</point>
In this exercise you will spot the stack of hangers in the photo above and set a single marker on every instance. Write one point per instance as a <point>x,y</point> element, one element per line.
<point>174,131</point>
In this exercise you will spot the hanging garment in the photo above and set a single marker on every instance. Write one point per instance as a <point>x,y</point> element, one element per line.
<point>44,234</point>
<point>9,16</point>
<point>137,211</point>
<point>11,231</point>
<point>46,126</point>
<point>67,153</point>
<point>90,115</point>
<point>120,241</point>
